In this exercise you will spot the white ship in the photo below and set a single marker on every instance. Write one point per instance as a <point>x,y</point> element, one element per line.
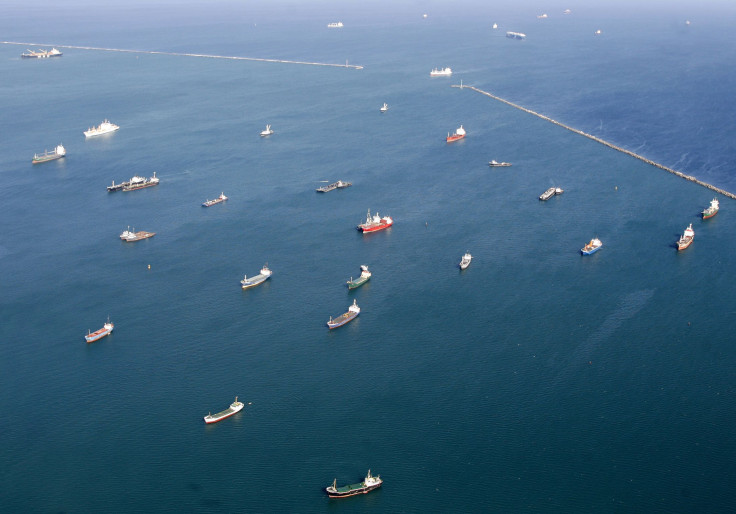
<point>103,128</point>
<point>444,72</point>
<point>384,108</point>
<point>258,279</point>
<point>268,131</point>
<point>335,25</point>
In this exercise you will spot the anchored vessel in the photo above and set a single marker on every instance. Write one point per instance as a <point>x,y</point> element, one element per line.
<point>459,134</point>
<point>592,247</point>
<point>339,321</point>
<point>103,128</point>
<point>41,54</point>
<point>712,210</point>
<point>686,239</point>
<point>549,193</point>
<point>267,132</point>
<point>515,35</point>
<point>496,164</point>
<point>465,261</point>
<point>384,108</point>
<point>258,279</point>
<point>368,484</point>
<point>236,406</point>
<point>129,236</point>
<point>106,329</point>
<point>444,72</point>
<point>335,185</point>
<point>375,223</point>
<point>364,277</point>
<point>219,199</point>
<point>335,25</point>
<point>56,153</point>
<point>140,183</point>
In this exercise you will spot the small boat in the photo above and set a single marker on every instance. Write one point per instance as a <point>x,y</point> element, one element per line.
<point>566,11</point>
<point>712,210</point>
<point>236,406</point>
<point>258,279</point>
<point>368,484</point>
<point>598,32</point>
<point>444,72</point>
<point>335,185</point>
<point>516,35</point>
<point>384,108</point>
<point>687,238</point>
<point>41,54</point>
<point>106,330</point>
<point>137,182</point>
<point>364,277</point>
<point>542,16</point>
<point>592,247</point>
<point>375,223</point>
<point>335,25</point>
<point>339,321</point>
<point>267,132</point>
<point>129,236</point>
<point>459,134</point>
<point>495,26</point>
<point>549,193</point>
<point>465,261</point>
<point>496,164</point>
<point>103,128</point>
<point>217,200</point>
<point>56,153</point>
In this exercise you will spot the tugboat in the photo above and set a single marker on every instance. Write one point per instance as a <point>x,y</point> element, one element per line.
<point>46,156</point>
<point>236,406</point>
<point>106,330</point>
<point>592,247</point>
<point>129,236</point>
<point>368,484</point>
<point>364,277</point>
<point>335,185</point>
<point>375,223</point>
<point>217,200</point>
<point>267,132</point>
<point>385,107</point>
<point>496,164</point>
<point>103,128</point>
<point>258,279</point>
<point>458,135</point>
<point>137,182</point>
<point>465,261</point>
<point>339,321</point>
<point>687,238</point>
<point>444,72</point>
<point>712,210</point>
<point>41,54</point>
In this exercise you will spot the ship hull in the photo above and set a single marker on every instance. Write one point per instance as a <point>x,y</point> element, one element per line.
<point>344,318</point>
<point>97,335</point>
<point>354,284</point>
<point>253,282</point>
<point>351,490</point>
<point>708,215</point>
<point>683,246</point>
<point>452,139</point>
<point>210,419</point>
<point>39,160</point>
<point>212,202</point>
<point>138,236</point>
<point>376,228</point>
<point>136,188</point>
<point>591,251</point>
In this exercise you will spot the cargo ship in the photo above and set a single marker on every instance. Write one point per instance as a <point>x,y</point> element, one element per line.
<point>368,484</point>
<point>687,238</point>
<point>41,54</point>
<point>131,235</point>
<point>236,406</point>
<point>56,153</point>
<point>364,277</point>
<point>335,25</point>
<point>592,247</point>
<point>137,182</point>
<point>350,315</point>
<point>258,279</point>
<point>217,200</point>
<point>106,330</point>
<point>103,128</point>
<point>444,72</point>
<point>496,164</point>
<point>375,223</point>
<point>384,107</point>
<point>549,193</point>
<point>465,261</point>
<point>515,35</point>
<point>459,134</point>
<point>335,185</point>
<point>712,210</point>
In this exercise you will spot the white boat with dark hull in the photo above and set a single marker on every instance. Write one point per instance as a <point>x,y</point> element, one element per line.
<point>234,408</point>
<point>264,275</point>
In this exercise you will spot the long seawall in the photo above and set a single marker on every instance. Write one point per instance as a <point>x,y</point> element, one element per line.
<point>180,54</point>
<point>601,141</point>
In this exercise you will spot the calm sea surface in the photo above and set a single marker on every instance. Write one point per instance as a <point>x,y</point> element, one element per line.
<point>536,380</point>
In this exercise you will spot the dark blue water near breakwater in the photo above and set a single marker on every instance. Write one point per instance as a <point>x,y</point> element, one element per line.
<point>536,380</point>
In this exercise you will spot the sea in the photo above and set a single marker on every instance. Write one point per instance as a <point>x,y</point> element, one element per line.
<point>537,380</point>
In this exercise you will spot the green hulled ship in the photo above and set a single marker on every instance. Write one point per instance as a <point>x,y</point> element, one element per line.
<point>56,153</point>
<point>364,277</point>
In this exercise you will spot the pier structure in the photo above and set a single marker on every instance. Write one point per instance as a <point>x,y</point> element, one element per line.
<point>601,141</point>
<point>180,54</point>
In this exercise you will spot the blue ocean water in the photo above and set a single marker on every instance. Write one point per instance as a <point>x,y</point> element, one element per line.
<point>536,380</point>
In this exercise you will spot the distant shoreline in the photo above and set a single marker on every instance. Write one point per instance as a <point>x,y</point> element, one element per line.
<point>603,142</point>
<point>180,54</point>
